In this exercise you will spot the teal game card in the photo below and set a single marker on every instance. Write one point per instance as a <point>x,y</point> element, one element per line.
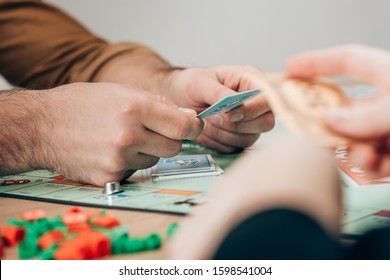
<point>228,103</point>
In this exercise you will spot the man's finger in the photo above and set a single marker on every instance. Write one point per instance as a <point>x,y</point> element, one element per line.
<point>367,64</point>
<point>250,110</point>
<point>171,122</point>
<point>367,119</point>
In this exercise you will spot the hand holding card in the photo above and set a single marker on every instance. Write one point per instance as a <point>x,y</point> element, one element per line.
<point>228,103</point>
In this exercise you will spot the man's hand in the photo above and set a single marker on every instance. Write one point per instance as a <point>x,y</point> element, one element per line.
<point>102,132</point>
<point>198,88</point>
<point>366,120</point>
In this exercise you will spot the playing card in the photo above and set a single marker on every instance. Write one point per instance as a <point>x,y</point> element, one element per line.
<point>228,103</point>
<point>184,166</point>
<point>164,176</point>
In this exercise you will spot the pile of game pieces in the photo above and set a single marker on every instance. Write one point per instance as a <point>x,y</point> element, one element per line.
<point>184,166</point>
<point>76,235</point>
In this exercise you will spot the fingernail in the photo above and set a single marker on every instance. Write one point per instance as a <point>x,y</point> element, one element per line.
<point>187,110</point>
<point>338,114</point>
<point>357,160</point>
<point>236,116</point>
<point>216,120</point>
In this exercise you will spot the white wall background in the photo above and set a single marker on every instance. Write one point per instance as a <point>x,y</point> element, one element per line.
<point>258,32</point>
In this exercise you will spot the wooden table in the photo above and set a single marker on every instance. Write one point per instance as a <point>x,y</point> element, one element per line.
<point>139,223</point>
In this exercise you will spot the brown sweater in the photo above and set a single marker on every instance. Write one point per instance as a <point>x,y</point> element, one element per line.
<point>42,47</point>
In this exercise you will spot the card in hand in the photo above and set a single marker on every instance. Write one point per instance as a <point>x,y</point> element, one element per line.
<point>228,103</point>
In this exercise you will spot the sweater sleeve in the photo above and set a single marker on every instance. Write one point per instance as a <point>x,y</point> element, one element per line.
<point>42,47</point>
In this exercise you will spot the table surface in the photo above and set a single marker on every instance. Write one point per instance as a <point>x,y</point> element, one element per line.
<point>139,223</point>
